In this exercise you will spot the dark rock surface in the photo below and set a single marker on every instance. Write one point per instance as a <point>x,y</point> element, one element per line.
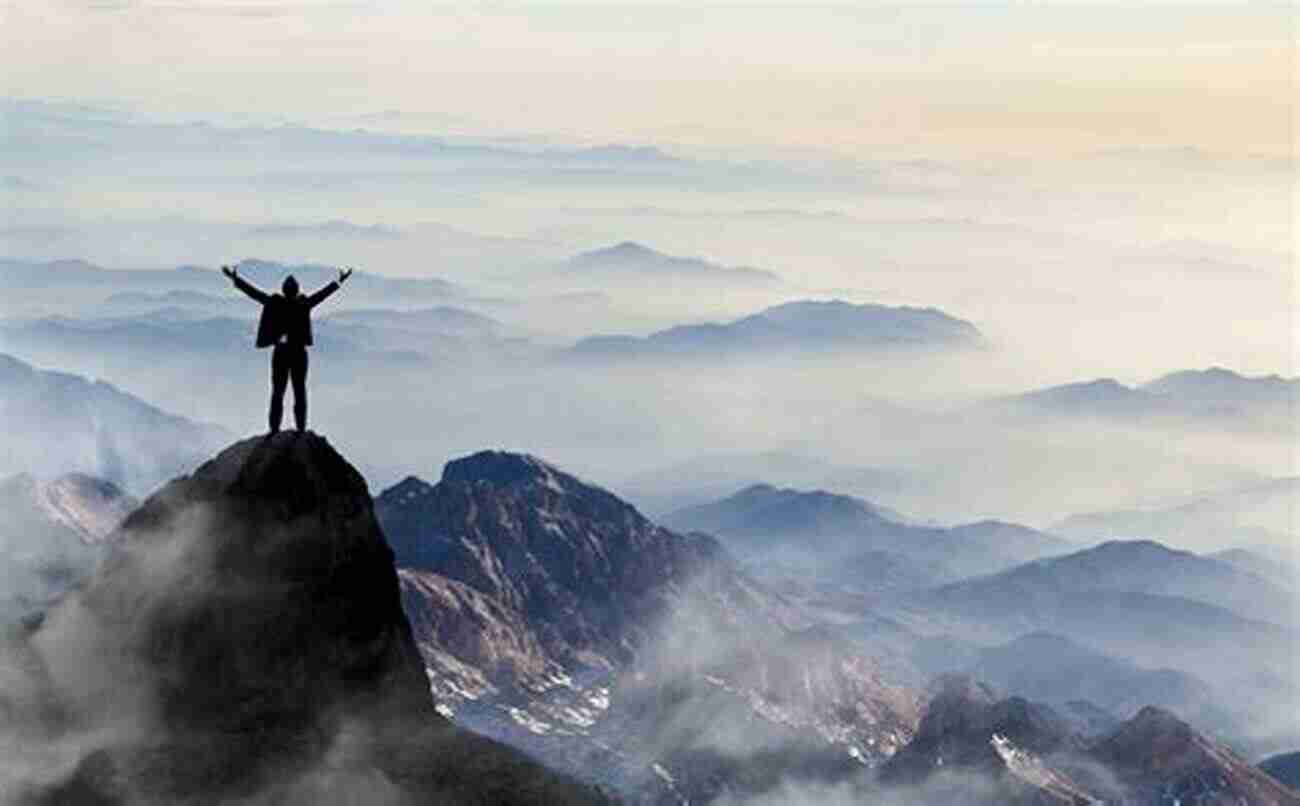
<point>1164,762</point>
<point>1285,767</point>
<point>968,730</point>
<point>245,639</point>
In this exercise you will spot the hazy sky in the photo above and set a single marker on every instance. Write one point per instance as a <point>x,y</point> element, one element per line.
<point>861,78</point>
<point>1097,172</point>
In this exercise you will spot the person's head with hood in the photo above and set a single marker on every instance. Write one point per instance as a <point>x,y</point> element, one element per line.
<point>290,287</point>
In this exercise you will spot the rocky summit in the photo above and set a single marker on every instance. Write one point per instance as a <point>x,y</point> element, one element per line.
<point>975,748</point>
<point>244,641</point>
<point>554,616</point>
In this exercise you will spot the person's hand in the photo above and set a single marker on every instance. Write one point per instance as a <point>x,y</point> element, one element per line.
<point>344,274</point>
<point>231,272</point>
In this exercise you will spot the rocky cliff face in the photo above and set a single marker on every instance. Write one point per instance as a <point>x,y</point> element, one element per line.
<point>552,615</point>
<point>969,733</point>
<point>245,641</point>
<point>1163,761</point>
<point>973,747</point>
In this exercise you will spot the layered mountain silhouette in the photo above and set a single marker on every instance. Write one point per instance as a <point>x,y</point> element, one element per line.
<point>862,544</point>
<point>554,616</point>
<point>259,631</point>
<point>1162,760</point>
<point>1151,606</point>
<point>1137,567</point>
<point>1215,394</point>
<point>58,422</point>
<point>245,641</point>
<point>974,747</point>
<point>130,345</point>
<point>1052,668</point>
<point>799,327</point>
<point>79,274</point>
<point>441,320</point>
<point>1260,514</point>
<point>630,262</point>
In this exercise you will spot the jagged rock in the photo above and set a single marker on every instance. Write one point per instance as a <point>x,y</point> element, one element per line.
<point>1284,767</point>
<point>1014,751</point>
<point>556,617</point>
<point>1164,762</point>
<point>967,728</point>
<point>584,568</point>
<point>245,639</point>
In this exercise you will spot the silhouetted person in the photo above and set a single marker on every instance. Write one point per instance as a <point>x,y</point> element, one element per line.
<point>286,324</point>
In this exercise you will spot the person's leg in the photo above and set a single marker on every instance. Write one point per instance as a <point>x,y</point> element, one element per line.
<point>279,379</point>
<point>299,373</point>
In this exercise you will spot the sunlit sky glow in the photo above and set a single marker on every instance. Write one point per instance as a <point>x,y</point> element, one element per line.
<point>860,79</point>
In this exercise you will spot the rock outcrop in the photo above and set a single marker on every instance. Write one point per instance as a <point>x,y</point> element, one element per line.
<point>554,616</point>
<point>1163,761</point>
<point>244,641</point>
<point>973,747</point>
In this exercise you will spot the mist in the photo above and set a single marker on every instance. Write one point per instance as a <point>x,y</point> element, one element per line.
<point>1060,244</point>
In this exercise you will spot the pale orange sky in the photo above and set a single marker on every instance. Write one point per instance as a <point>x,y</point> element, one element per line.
<point>860,79</point>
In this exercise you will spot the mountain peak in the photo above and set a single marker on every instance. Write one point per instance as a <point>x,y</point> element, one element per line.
<point>246,624</point>
<point>1157,755</point>
<point>502,468</point>
<point>631,248</point>
<point>299,471</point>
<point>1154,729</point>
<point>624,250</point>
<point>254,600</point>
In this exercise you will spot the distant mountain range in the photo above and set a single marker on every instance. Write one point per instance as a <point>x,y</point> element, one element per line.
<point>630,262</point>
<point>708,478</point>
<point>57,422</point>
<point>804,326</point>
<point>442,320</point>
<point>1131,567</point>
<point>856,542</point>
<point>79,274</point>
<point>125,303</point>
<point>1054,669</point>
<point>1254,515</point>
<point>1149,605</point>
<point>332,229</point>
<point>974,748</point>
<point>153,341</point>
<point>1217,394</point>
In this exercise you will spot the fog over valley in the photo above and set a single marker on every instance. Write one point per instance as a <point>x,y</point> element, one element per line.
<point>755,406</point>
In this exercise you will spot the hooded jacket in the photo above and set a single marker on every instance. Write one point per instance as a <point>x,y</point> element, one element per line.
<point>281,316</point>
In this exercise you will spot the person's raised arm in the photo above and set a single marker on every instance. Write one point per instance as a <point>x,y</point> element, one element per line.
<point>245,286</point>
<point>320,296</point>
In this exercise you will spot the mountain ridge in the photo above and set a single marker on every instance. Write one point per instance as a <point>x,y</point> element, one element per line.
<point>799,326</point>
<point>250,642</point>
